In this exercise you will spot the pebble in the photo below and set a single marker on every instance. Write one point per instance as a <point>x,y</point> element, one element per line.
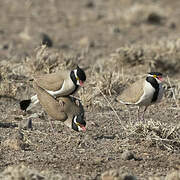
<point>46,40</point>
<point>117,175</point>
<point>25,124</point>
<point>127,155</point>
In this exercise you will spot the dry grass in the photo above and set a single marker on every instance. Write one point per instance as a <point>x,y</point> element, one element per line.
<point>8,87</point>
<point>103,86</point>
<point>116,42</point>
<point>110,83</point>
<point>173,93</point>
<point>162,135</point>
<point>160,56</point>
<point>139,13</point>
<point>46,60</point>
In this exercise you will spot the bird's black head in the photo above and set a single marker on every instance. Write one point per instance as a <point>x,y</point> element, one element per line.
<point>78,76</point>
<point>156,75</point>
<point>78,123</point>
<point>81,74</point>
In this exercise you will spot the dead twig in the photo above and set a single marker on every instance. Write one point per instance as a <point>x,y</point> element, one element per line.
<point>110,105</point>
<point>174,97</point>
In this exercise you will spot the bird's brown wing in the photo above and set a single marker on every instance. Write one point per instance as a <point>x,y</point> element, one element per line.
<point>133,93</point>
<point>70,106</point>
<point>50,104</point>
<point>52,82</point>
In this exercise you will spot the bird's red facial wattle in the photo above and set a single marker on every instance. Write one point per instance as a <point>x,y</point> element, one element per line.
<point>81,83</point>
<point>83,127</point>
<point>160,78</point>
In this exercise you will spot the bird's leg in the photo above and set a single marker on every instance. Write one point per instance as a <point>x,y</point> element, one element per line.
<point>50,122</point>
<point>144,112</point>
<point>138,113</point>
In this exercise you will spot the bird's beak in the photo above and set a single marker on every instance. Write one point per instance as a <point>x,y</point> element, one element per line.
<point>81,83</point>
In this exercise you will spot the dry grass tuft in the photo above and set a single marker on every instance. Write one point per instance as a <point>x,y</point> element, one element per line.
<point>160,56</point>
<point>43,61</point>
<point>109,83</point>
<point>163,135</point>
<point>172,91</point>
<point>47,61</point>
<point>138,13</point>
<point>128,56</point>
<point>7,86</point>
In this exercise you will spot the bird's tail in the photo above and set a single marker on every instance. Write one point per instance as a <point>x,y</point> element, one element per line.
<point>29,103</point>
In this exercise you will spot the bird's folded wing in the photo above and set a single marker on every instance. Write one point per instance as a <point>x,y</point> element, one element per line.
<point>50,104</point>
<point>51,82</point>
<point>132,94</point>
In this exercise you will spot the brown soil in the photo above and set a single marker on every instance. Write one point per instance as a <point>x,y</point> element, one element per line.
<point>116,42</point>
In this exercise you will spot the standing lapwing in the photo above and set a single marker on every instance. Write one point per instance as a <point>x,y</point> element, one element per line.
<point>144,92</point>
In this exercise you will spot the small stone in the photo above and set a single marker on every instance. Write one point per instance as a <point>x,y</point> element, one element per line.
<point>154,18</point>
<point>117,175</point>
<point>89,4</point>
<point>1,31</point>
<point>5,47</point>
<point>127,155</point>
<point>46,40</point>
<point>116,30</point>
<point>78,166</point>
<point>92,44</point>
<point>172,25</point>
<point>25,124</point>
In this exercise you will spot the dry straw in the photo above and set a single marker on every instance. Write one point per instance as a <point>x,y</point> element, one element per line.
<point>174,96</point>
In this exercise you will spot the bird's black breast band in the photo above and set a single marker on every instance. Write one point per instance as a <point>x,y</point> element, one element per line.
<point>155,85</point>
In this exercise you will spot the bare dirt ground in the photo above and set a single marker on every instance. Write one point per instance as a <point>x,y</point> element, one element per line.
<point>116,42</point>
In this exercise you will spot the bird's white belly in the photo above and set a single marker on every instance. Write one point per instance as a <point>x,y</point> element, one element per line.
<point>147,96</point>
